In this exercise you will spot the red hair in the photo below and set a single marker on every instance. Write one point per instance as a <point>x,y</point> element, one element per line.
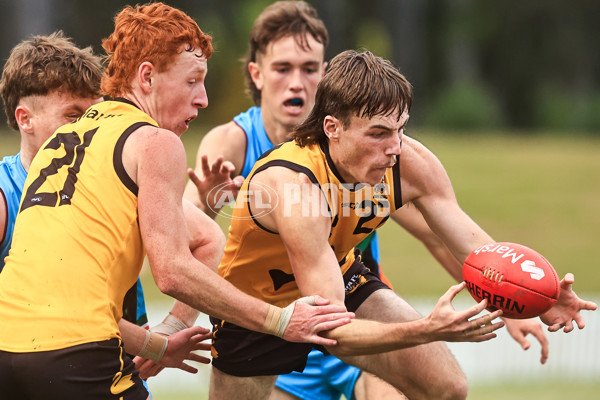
<point>153,32</point>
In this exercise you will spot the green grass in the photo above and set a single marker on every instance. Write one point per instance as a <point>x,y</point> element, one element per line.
<point>535,391</point>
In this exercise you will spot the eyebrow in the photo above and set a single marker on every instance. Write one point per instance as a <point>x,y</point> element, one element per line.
<point>387,128</point>
<point>286,63</point>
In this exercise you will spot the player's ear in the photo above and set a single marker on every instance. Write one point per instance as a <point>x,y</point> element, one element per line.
<point>325,64</point>
<point>332,128</point>
<point>24,117</point>
<point>255,74</point>
<point>144,76</point>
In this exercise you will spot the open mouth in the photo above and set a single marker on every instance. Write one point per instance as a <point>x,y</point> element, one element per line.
<point>295,102</point>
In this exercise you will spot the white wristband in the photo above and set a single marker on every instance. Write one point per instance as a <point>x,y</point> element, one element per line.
<point>170,325</point>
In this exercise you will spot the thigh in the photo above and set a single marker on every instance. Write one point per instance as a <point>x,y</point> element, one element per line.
<point>370,387</point>
<point>226,387</point>
<point>101,370</point>
<point>420,371</point>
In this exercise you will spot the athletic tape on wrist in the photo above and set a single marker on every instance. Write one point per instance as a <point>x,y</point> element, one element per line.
<point>170,325</point>
<point>154,346</point>
<point>272,321</point>
<point>278,319</point>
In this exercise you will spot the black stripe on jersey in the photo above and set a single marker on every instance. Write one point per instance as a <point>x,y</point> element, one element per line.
<point>325,149</point>
<point>286,164</point>
<point>118,157</point>
<point>127,101</point>
<point>397,187</point>
<point>266,153</point>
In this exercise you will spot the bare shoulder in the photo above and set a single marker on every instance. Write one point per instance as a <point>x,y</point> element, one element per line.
<point>228,140</point>
<point>156,149</point>
<point>421,171</point>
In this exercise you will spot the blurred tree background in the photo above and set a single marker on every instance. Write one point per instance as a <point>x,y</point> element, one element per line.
<point>475,65</point>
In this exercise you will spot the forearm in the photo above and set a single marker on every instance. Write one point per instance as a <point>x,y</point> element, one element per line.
<point>370,337</point>
<point>202,289</point>
<point>191,194</point>
<point>133,336</point>
<point>446,259</point>
<point>185,313</point>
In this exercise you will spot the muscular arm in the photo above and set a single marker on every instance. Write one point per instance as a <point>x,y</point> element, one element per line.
<point>426,184</point>
<point>411,219</point>
<point>315,266</point>
<point>456,235</point>
<point>219,159</point>
<point>155,159</point>
<point>206,242</point>
<point>317,272</point>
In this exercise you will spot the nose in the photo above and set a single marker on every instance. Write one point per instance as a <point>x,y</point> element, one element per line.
<point>395,145</point>
<point>201,98</point>
<point>296,80</point>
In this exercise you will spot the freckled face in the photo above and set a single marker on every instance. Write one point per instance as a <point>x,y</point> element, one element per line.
<point>179,92</point>
<point>367,147</point>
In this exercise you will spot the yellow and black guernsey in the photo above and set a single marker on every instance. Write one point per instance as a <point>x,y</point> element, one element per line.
<point>255,258</point>
<point>77,246</point>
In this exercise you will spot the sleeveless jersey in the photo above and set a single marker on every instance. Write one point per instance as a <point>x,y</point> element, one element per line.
<point>255,258</point>
<point>258,143</point>
<point>12,179</point>
<point>77,245</point>
<point>257,140</point>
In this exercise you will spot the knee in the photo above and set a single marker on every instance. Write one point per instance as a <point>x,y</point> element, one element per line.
<point>459,389</point>
<point>455,389</point>
<point>449,387</point>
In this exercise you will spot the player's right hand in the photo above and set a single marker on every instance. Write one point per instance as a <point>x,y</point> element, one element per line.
<point>308,320</point>
<point>215,175</point>
<point>449,325</point>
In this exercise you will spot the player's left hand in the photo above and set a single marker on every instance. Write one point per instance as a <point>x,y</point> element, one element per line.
<point>520,328</point>
<point>146,368</point>
<point>180,348</point>
<point>567,308</point>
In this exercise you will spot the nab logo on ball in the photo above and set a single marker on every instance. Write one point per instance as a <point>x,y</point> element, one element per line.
<point>513,278</point>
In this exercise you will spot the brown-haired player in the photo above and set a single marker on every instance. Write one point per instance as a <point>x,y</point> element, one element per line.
<point>284,63</point>
<point>348,168</point>
<point>104,191</point>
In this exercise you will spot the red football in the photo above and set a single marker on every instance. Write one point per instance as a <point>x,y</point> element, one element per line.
<point>514,278</point>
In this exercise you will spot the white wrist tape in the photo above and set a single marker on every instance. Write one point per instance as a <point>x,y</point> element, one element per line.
<point>154,346</point>
<point>170,325</point>
<point>278,318</point>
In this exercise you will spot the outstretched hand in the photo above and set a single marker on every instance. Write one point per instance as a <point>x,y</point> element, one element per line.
<point>308,320</point>
<point>520,328</point>
<point>180,348</point>
<point>450,325</point>
<point>216,178</point>
<point>567,308</point>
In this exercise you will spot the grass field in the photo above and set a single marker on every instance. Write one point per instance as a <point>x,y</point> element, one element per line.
<point>539,190</point>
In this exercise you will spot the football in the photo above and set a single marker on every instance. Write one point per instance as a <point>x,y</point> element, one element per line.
<point>513,277</point>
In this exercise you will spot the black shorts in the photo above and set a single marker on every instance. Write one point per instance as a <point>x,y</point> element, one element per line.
<point>97,370</point>
<point>240,352</point>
